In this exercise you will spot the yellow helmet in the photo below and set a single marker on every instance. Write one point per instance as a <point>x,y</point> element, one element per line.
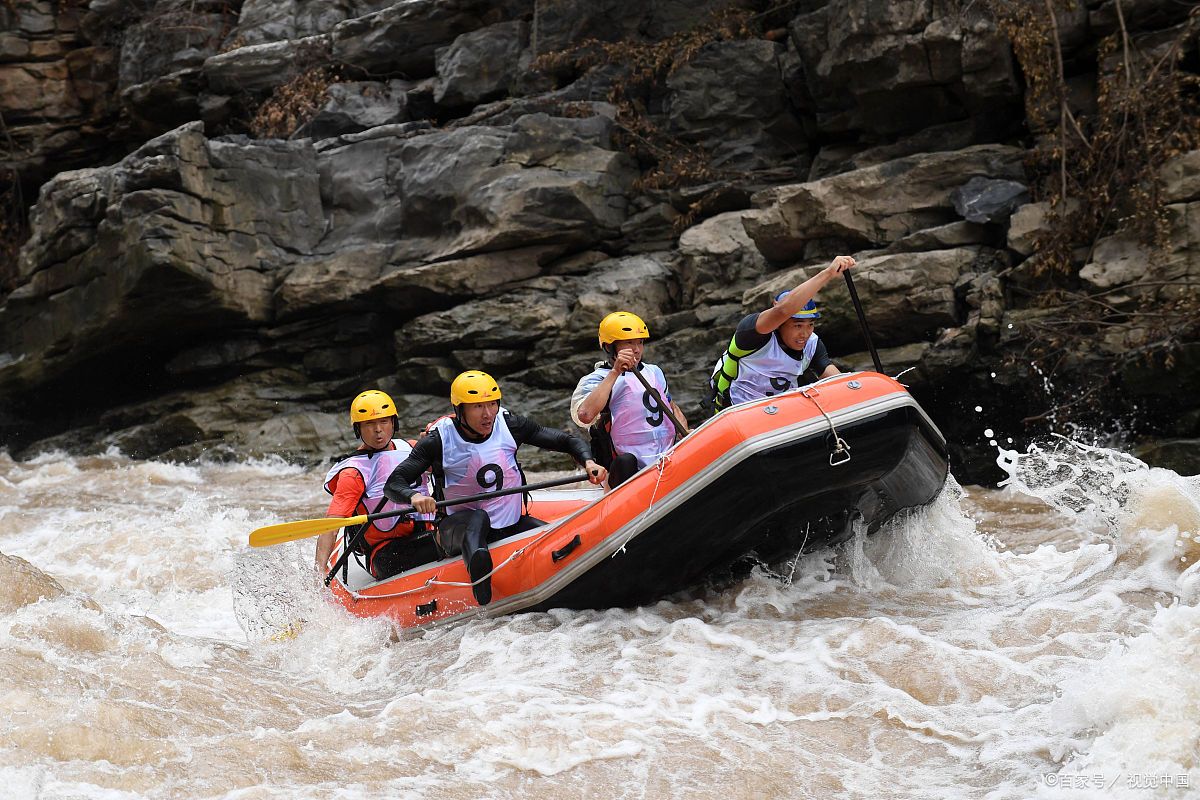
<point>371,404</point>
<point>620,326</point>
<point>473,386</point>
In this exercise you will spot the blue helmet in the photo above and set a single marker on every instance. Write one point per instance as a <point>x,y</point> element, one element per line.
<point>810,311</point>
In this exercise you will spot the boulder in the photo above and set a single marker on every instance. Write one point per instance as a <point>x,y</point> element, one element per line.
<point>367,277</point>
<point>260,68</point>
<point>479,66</point>
<point>875,205</point>
<point>983,200</point>
<point>405,37</point>
<point>718,261</point>
<point>354,106</point>
<point>1181,178</point>
<point>445,194</point>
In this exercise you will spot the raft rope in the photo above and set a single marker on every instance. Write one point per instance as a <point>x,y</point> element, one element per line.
<point>841,448</point>
<point>434,581</point>
<point>660,465</point>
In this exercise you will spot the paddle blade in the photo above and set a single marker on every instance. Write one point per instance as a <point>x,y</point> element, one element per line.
<point>291,531</point>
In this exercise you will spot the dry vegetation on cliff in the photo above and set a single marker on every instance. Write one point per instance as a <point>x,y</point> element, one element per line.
<point>1099,167</point>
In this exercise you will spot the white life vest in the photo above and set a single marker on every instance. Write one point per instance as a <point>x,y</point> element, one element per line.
<point>769,371</point>
<point>639,425</point>
<point>375,468</point>
<point>488,466</point>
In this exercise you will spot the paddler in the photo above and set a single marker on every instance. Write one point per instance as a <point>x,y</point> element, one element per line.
<point>472,452</point>
<point>773,350</point>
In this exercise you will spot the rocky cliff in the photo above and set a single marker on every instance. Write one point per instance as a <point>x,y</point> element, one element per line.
<point>248,212</point>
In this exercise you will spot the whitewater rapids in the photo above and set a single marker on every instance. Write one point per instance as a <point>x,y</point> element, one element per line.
<point>1042,640</point>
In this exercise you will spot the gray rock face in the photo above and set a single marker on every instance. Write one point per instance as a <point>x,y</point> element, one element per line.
<point>480,65</point>
<point>729,99</point>
<point>406,36</point>
<point>873,206</point>
<point>896,67</point>
<point>264,21</point>
<point>57,90</point>
<point>542,181</point>
<point>173,241</point>
<point>355,106</point>
<point>451,209</point>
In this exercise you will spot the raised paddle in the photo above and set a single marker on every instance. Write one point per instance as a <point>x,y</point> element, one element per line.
<point>291,531</point>
<point>680,428</point>
<point>862,320</point>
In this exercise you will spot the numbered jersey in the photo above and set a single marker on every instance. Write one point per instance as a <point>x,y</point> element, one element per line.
<point>768,371</point>
<point>639,423</point>
<point>488,466</point>
<point>375,468</point>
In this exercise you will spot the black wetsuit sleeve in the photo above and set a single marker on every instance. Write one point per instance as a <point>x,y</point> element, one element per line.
<point>820,359</point>
<point>526,431</point>
<point>746,338</point>
<point>426,453</point>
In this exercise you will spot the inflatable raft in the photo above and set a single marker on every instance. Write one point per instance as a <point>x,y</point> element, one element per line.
<point>763,480</point>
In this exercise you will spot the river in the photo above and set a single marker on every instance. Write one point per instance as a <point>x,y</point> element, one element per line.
<point>1039,640</point>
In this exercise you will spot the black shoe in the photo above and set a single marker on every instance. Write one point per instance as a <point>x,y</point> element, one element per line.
<point>479,565</point>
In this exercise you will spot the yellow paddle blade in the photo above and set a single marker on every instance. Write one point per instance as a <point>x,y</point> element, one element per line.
<point>291,531</point>
<point>289,632</point>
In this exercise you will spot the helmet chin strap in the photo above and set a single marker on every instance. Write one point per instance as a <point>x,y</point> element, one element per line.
<point>460,419</point>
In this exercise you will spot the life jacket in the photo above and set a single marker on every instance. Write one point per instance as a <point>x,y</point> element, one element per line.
<point>633,420</point>
<point>375,467</point>
<point>476,467</point>
<point>740,376</point>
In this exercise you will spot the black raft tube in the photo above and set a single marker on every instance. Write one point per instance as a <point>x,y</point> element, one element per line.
<point>862,321</point>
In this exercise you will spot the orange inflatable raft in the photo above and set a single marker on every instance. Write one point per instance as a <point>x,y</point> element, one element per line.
<point>763,480</point>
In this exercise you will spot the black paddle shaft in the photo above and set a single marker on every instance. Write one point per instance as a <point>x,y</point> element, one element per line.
<point>862,321</point>
<point>680,428</point>
<point>343,560</point>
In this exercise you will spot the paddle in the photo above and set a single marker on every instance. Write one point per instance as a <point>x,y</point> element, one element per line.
<point>862,320</point>
<point>362,529</point>
<point>680,428</point>
<point>291,531</point>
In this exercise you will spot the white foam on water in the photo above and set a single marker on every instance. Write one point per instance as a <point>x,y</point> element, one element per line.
<point>988,645</point>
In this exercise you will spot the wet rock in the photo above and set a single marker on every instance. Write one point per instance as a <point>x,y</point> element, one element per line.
<point>22,584</point>
<point>984,200</point>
